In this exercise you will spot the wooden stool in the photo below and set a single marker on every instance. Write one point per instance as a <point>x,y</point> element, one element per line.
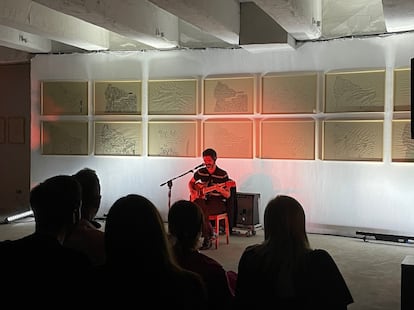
<point>217,218</point>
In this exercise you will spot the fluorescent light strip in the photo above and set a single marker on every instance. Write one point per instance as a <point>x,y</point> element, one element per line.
<point>18,216</point>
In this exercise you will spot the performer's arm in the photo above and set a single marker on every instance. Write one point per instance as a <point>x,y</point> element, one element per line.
<point>192,189</point>
<point>224,191</point>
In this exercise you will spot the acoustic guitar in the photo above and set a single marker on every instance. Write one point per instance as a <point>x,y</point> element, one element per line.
<point>200,189</point>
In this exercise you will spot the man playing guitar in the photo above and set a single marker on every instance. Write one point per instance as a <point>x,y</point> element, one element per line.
<point>210,188</point>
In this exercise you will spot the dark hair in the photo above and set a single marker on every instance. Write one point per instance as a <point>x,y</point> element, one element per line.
<point>55,201</point>
<point>89,181</point>
<point>135,233</point>
<point>284,221</point>
<point>210,152</point>
<point>185,222</point>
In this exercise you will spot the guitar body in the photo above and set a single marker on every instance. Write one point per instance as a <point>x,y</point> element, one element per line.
<point>200,189</point>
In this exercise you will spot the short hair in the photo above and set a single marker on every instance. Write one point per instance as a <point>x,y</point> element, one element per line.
<point>185,221</point>
<point>89,181</point>
<point>210,152</point>
<point>55,200</point>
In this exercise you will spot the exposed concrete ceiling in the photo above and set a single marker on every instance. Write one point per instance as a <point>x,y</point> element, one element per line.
<point>64,26</point>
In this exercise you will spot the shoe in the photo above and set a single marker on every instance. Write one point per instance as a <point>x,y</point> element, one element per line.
<point>207,244</point>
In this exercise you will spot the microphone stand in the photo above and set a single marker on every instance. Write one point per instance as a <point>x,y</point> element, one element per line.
<point>170,183</point>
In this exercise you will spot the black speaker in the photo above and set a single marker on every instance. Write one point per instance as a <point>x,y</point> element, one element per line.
<point>247,209</point>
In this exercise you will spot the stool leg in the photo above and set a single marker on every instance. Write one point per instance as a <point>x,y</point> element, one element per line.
<point>226,225</point>
<point>217,229</point>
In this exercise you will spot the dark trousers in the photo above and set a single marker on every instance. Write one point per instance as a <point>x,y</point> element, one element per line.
<point>210,206</point>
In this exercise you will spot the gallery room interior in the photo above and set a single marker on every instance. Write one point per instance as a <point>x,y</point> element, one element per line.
<point>304,98</point>
<point>325,119</point>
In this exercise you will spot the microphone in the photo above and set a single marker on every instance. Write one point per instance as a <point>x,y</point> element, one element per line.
<point>199,166</point>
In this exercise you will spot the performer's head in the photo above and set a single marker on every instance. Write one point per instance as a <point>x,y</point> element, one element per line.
<point>209,158</point>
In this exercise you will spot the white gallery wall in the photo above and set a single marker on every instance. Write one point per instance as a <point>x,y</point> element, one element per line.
<point>338,196</point>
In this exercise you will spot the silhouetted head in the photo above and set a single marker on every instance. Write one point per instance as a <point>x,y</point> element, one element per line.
<point>55,203</point>
<point>185,222</point>
<point>284,221</point>
<point>91,192</point>
<point>135,233</point>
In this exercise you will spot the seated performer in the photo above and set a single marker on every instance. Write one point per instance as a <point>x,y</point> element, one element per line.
<point>210,188</point>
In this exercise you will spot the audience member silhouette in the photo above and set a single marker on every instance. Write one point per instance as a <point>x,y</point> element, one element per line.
<point>38,267</point>
<point>86,236</point>
<point>140,268</point>
<point>185,224</point>
<point>283,271</point>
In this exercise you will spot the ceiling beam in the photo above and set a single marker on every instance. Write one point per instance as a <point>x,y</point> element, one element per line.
<point>23,41</point>
<point>259,32</point>
<point>219,18</point>
<point>138,20</point>
<point>300,18</point>
<point>39,20</point>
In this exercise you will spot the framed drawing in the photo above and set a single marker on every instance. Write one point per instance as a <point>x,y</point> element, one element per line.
<point>355,91</point>
<point>352,140</point>
<point>16,130</point>
<point>117,97</point>
<point>173,138</point>
<point>287,139</point>
<point>118,138</point>
<point>2,130</point>
<point>402,89</point>
<point>402,144</point>
<point>229,95</point>
<point>172,97</point>
<point>64,138</point>
<point>289,93</point>
<point>231,138</point>
<point>64,97</point>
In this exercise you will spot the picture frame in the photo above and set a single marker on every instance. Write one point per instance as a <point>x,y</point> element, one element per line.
<point>229,95</point>
<point>64,138</point>
<point>16,130</point>
<point>402,89</point>
<point>290,93</point>
<point>173,97</point>
<point>355,91</point>
<point>231,138</point>
<point>117,97</point>
<point>287,139</point>
<point>120,138</point>
<point>352,140</point>
<point>173,138</point>
<point>402,145</point>
<point>64,97</point>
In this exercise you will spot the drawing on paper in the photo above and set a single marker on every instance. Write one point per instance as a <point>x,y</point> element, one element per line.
<point>64,98</point>
<point>353,140</point>
<point>117,97</point>
<point>289,93</point>
<point>118,138</point>
<point>287,139</point>
<point>362,91</point>
<point>402,144</point>
<point>172,97</point>
<point>65,138</point>
<point>402,89</point>
<point>228,96</point>
<point>230,138</point>
<point>173,138</point>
